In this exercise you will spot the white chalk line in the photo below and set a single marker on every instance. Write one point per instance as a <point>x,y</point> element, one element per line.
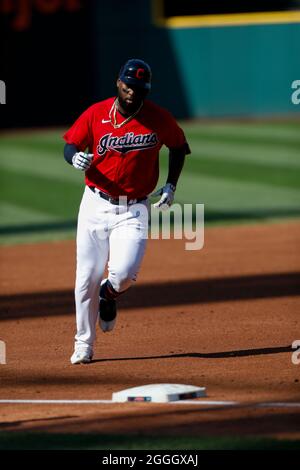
<point>179,402</point>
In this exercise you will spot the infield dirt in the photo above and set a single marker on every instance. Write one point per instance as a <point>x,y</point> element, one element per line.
<point>224,317</point>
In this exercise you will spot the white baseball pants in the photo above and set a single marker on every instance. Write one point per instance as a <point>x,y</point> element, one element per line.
<point>116,234</point>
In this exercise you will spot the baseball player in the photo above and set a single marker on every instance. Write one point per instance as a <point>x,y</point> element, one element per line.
<point>116,142</point>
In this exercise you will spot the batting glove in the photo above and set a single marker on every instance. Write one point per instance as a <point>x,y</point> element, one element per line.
<point>82,161</point>
<point>167,196</point>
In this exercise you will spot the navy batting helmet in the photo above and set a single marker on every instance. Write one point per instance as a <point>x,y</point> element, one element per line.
<point>136,72</point>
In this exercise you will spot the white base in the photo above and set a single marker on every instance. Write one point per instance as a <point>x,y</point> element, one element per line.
<point>159,393</point>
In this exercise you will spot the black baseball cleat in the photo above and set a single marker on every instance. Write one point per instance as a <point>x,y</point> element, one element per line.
<point>107,314</point>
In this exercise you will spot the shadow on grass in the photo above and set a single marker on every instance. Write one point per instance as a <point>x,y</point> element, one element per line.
<point>210,217</point>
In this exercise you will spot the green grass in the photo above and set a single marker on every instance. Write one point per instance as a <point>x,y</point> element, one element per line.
<point>242,172</point>
<point>38,441</point>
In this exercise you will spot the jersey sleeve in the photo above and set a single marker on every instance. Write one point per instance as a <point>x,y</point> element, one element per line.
<point>172,134</point>
<point>80,133</point>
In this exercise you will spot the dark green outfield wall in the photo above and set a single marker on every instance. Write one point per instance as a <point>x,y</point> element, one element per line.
<point>238,70</point>
<point>201,72</point>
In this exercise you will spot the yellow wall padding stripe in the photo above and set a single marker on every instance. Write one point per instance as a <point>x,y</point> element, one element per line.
<point>234,19</point>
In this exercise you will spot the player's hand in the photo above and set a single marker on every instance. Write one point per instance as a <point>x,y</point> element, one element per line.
<point>82,161</point>
<point>167,193</point>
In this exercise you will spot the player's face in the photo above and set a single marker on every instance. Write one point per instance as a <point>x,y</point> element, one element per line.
<point>129,96</point>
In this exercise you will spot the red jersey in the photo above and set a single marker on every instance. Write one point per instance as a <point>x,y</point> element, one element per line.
<point>125,159</point>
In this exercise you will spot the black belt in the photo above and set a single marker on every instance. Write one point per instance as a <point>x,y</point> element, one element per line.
<point>115,201</point>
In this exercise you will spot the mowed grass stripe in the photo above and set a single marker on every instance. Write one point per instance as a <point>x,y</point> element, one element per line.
<point>55,146</point>
<point>215,192</point>
<point>52,137</point>
<point>227,194</point>
<point>57,198</point>
<point>201,166</point>
<point>32,162</point>
<point>274,133</point>
<point>243,151</point>
<point>230,170</point>
<point>11,214</point>
<point>244,171</point>
<point>277,144</point>
<point>37,237</point>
